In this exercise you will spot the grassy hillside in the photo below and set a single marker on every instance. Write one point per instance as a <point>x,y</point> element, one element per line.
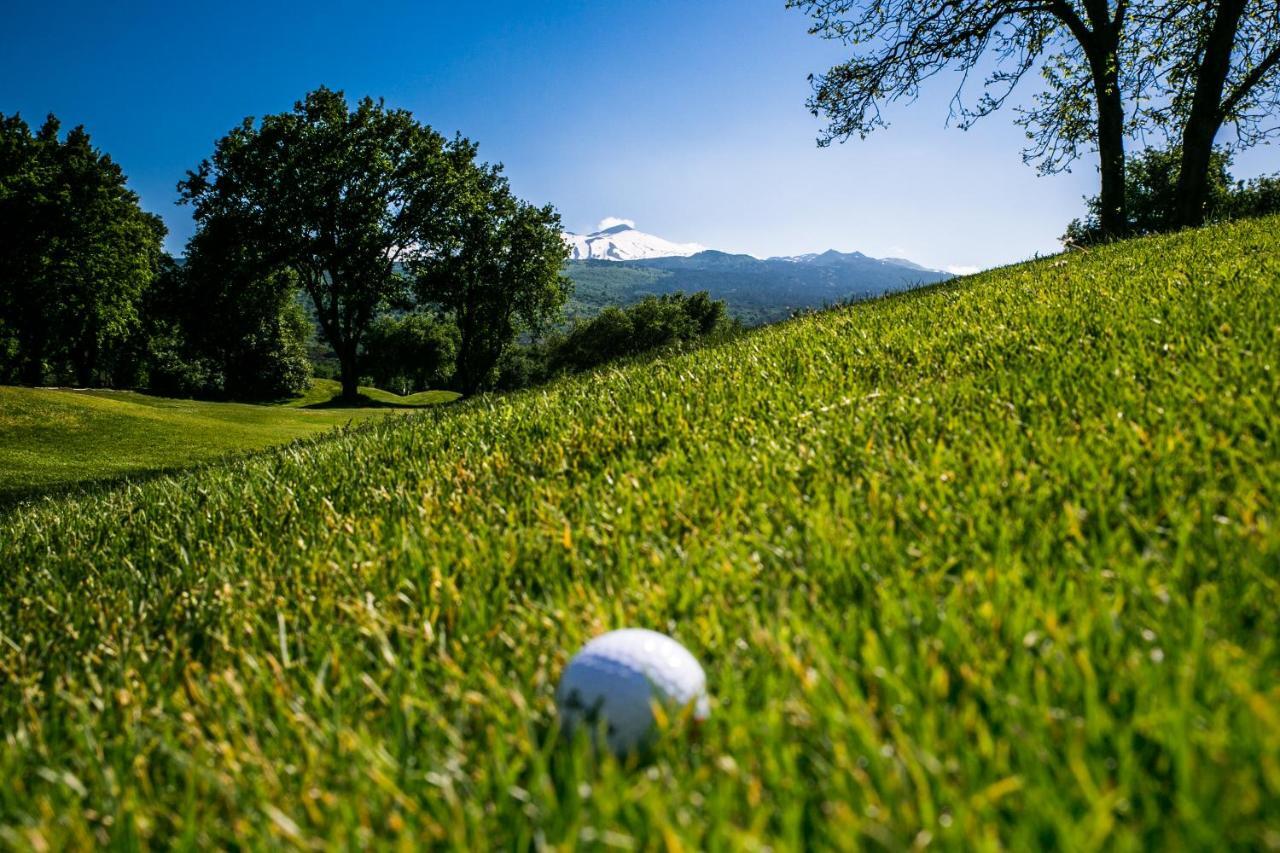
<point>995,563</point>
<point>55,437</point>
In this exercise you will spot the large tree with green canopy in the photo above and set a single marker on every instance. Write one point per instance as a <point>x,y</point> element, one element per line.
<point>339,197</point>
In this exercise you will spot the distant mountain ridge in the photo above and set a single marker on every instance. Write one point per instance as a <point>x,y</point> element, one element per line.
<point>619,265</point>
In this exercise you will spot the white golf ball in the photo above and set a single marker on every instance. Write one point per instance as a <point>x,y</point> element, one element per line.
<point>614,680</point>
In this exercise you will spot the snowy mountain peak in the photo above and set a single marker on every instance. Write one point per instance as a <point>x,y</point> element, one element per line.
<point>618,240</point>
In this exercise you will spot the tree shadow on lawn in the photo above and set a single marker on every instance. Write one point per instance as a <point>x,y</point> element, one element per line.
<point>363,401</point>
<point>13,498</point>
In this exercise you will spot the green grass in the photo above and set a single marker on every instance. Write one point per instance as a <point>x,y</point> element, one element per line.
<point>992,564</point>
<point>325,393</point>
<point>51,438</point>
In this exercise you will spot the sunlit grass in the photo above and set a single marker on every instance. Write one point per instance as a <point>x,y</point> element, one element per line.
<point>992,564</point>
<point>58,437</point>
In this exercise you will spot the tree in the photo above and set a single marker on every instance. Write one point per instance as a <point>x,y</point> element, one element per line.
<point>497,269</point>
<point>339,198</point>
<point>1077,44</point>
<point>1220,63</point>
<point>78,256</point>
<point>228,324</point>
<point>25,311</point>
<point>410,353</point>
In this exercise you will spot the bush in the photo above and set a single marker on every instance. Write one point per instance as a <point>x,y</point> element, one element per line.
<point>410,353</point>
<point>652,323</point>
<point>223,332</point>
<point>1257,197</point>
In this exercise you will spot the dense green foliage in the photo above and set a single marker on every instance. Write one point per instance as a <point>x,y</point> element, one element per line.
<point>1151,185</point>
<point>53,438</point>
<point>410,352</point>
<point>652,324</point>
<point>992,563</point>
<point>76,258</point>
<point>496,270</point>
<point>219,328</point>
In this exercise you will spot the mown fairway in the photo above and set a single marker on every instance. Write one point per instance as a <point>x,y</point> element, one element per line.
<point>992,564</point>
<point>52,437</point>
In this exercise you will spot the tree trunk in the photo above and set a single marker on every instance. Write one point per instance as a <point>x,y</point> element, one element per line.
<point>462,378</point>
<point>33,371</point>
<point>82,361</point>
<point>1205,118</point>
<point>1112,214</point>
<point>349,372</point>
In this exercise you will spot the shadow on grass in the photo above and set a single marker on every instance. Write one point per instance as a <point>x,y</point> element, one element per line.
<point>362,401</point>
<point>15,497</point>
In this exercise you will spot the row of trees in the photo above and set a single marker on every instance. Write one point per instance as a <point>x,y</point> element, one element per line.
<point>413,259</point>
<point>1111,70</point>
<point>406,353</point>
<point>396,242</point>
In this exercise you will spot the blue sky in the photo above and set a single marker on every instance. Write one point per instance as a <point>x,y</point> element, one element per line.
<point>687,118</point>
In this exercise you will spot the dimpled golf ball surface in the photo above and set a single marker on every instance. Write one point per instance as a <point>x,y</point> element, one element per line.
<point>613,681</point>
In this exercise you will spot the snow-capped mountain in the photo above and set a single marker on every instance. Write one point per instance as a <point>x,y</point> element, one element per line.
<point>618,240</point>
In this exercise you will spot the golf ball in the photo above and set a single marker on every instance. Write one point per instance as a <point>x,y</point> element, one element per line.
<point>612,683</point>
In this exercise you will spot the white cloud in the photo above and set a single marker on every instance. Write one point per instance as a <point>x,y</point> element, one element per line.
<point>963,270</point>
<point>611,221</point>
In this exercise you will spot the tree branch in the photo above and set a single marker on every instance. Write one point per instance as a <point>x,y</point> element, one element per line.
<point>1252,79</point>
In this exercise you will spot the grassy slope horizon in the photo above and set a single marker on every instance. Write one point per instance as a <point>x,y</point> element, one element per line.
<point>988,564</point>
<point>53,438</point>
